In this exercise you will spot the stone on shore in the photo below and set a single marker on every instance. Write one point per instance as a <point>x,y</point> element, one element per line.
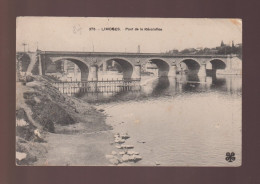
<point>141,142</point>
<point>101,110</point>
<point>114,161</point>
<point>122,152</point>
<point>118,147</point>
<point>114,153</point>
<point>132,153</point>
<point>21,122</point>
<point>124,136</point>
<point>157,163</point>
<point>119,141</point>
<point>137,157</point>
<point>134,158</point>
<point>20,155</point>
<point>125,158</point>
<point>127,146</point>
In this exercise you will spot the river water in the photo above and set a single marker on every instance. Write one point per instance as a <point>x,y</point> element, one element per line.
<point>182,121</point>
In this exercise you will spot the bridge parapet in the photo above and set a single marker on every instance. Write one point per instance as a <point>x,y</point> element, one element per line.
<point>87,60</point>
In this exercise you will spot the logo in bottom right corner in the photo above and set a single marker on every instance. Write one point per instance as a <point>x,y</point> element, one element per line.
<point>230,157</point>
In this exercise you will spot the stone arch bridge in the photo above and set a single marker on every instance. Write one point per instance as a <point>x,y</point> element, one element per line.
<point>131,63</point>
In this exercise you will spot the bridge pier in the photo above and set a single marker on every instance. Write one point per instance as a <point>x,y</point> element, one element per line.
<point>104,66</point>
<point>229,63</point>
<point>202,79</point>
<point>202,70</point>
<point>172,71</point>
<point>137,72</point>
<point>40,64</point>
<point>93,73</point>
<point>93,76</point>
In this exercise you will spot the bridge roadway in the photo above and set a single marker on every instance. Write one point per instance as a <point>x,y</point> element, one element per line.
<point>131,63</point>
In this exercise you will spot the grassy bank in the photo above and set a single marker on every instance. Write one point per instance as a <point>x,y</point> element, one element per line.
<point>43,113</point>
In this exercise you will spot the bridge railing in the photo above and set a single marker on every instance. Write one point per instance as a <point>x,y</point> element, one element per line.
<point>100,86</point>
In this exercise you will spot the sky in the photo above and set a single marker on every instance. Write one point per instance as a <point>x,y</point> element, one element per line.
<point>88,34</point>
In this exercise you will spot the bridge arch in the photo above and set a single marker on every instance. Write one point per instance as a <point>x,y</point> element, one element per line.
<point>84,68</point>
<point>189,66</point>
<point>119,64</point>
<point>162,66</point>
<point>215,64</point>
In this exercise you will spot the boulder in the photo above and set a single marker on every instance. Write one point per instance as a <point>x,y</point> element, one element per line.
<point>132,153</point>
<point>122,152</point>
<point>137,157</point>
<point>157,163</point>
<point>118,147</point>
<point>114,153</point>
<point>20,155</point>
<point>114,161</point>
<point>141,142</point>
<point>127,146</point>
<point>21,122</point>
<point>117,135</point>
<point>118,140</point>
<point>134,158</point>
<point>131,158</point>
<point>125,158</point>
<point>37,133</point>
<point>124,136</point>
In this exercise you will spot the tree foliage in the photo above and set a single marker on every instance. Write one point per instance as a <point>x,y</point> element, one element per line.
<point>222,50</point>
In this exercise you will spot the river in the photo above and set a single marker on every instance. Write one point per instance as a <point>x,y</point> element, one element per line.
<point>182,121</point>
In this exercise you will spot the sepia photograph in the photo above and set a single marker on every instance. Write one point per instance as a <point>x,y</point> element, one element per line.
<point>160,92</point>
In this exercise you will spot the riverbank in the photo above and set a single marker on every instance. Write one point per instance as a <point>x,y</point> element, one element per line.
<point>55,129</point>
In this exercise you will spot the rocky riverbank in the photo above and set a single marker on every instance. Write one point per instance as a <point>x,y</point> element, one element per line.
<point>55,129</point>
<point>124,153</point>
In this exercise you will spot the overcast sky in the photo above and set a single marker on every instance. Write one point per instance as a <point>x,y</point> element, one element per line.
<point>73,33</point>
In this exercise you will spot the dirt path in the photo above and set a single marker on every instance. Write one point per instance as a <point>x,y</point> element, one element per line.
<point>86,149</point>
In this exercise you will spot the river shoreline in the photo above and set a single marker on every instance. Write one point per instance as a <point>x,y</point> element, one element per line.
<point>160,133</point>
<point>55,129</point>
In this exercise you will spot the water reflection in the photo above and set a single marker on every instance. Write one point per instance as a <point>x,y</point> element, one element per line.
<point>184,120</point>
<point>161,85</point>
<point>171,86</point>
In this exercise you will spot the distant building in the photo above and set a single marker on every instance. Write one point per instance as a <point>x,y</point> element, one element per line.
<point>233,45</point>
<point>199,48</point>
<point>222,44</point>
<point>174,51</point>
<point>238,45</point>
<point>213,51</point>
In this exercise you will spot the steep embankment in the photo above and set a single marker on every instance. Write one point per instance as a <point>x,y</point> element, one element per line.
<point>41,111</point>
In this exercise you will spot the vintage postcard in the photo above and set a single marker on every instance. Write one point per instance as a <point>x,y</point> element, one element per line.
<point>128,91</point>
